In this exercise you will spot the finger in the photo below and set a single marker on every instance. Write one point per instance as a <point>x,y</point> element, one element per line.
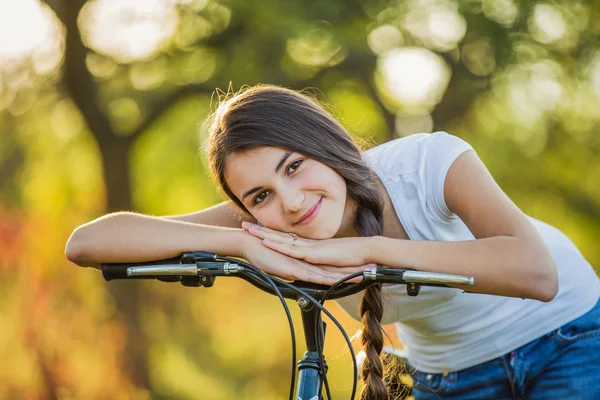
<point>257,232</point>
<point>296,251</point>
<point>279,236</point>
<point>266,233</point>
<point>274,236</point>
<point>249,226</point>
<point>317,275</point>
<point>310,276</point>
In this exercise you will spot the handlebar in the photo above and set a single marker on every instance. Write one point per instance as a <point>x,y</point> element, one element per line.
<point>200,268</point>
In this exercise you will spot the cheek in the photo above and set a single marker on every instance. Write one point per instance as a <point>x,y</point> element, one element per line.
<point>269,217</point>
<point>337,187</point>
<point>331,182</point>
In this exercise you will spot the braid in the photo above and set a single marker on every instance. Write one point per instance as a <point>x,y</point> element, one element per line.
<point>369,222</point>
<point>371,311</point>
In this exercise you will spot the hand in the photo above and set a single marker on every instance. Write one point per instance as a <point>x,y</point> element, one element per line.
<point>288,268</point>
<point>342,252</point>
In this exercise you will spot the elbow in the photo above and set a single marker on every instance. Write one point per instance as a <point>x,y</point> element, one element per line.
<point>82,247</point>
<point>550,291</point>
<point>541,278</point>
<point>547,283</point>
<point>75,249</point>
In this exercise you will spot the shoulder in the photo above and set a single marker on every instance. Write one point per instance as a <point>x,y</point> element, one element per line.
<point>411,153</point>
<point>398,155</point>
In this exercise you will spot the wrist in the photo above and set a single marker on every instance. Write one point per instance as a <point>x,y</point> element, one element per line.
<point>369,250</point>
<point>243,241</point>
<point>232,242</point>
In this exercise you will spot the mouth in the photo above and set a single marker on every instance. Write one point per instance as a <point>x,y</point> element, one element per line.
<point>310,214</point>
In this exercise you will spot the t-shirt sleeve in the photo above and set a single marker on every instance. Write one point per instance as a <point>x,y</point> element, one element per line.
<point>438,155</point>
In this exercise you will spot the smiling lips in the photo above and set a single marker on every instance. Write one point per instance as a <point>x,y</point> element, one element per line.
<point>310,214</point>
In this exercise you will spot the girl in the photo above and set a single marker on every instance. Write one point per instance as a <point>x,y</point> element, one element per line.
<point>529,328</point>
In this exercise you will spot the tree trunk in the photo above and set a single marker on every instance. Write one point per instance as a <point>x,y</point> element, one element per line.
<point>127,294</point>
<point>114,149</point>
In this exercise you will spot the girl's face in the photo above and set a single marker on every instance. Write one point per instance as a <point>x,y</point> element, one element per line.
<point>290,192</point>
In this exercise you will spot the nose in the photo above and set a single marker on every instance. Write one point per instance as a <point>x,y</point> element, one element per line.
<point>292,200</point>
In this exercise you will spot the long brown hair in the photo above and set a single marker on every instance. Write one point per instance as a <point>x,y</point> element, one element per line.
<point>273,116</point>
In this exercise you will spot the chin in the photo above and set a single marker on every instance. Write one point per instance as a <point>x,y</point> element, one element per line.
<point>322,235</point>
<point>328,231</point>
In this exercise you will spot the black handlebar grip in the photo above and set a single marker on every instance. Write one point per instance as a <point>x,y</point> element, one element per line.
<point>115,271</point>
<point>119,270</point>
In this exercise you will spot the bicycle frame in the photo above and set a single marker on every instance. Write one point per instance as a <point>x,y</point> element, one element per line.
<point>309,367</point>
<point>201,268</point>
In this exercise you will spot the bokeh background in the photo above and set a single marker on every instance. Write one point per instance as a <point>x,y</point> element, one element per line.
<point>101,109</point>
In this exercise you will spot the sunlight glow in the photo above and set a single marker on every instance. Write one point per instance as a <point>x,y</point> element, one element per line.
<point>479,57</point>
<point>547,24</point>
<point>29,30</point>
<point>438,26</point>
<point>125,113</point>
<point>447,27</point>
<point>199,66</point>
<point>534,90</point>
<point>195,5</point>
<point>149,75</point>
<point>100,66</point>
<point>24,25</point>
<point>384,38</point>
<point>317,47</point>
<point>504,12</point>
<point>414,76</point>
<point>128,30</point>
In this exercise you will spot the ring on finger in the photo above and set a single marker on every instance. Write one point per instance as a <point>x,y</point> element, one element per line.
<point>294,237</point>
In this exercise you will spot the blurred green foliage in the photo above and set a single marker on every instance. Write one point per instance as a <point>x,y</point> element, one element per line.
<point>101,108</point>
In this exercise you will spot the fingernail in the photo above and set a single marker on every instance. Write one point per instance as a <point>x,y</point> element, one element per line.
<point>245,224</point>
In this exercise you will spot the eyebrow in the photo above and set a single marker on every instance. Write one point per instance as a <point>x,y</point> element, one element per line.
<point>277,168</point>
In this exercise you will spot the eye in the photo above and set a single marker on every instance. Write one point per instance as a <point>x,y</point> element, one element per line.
<point>294,166</point>
<point>259,197</point>
<point>263,195</point>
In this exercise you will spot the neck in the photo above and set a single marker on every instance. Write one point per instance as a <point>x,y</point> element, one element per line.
<point>347,229</point>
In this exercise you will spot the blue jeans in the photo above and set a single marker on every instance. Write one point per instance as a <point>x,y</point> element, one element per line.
<point>564,364</point>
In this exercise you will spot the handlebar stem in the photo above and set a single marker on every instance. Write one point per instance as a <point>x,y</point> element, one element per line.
<point>309,367</point>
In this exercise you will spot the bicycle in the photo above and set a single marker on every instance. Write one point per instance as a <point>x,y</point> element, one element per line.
<point>200,269</point>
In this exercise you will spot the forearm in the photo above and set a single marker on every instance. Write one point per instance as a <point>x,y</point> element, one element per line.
<point>501,265</point>
<point>129,237</point>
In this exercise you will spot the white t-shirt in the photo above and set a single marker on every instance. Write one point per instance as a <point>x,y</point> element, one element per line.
<point>446,329</point>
